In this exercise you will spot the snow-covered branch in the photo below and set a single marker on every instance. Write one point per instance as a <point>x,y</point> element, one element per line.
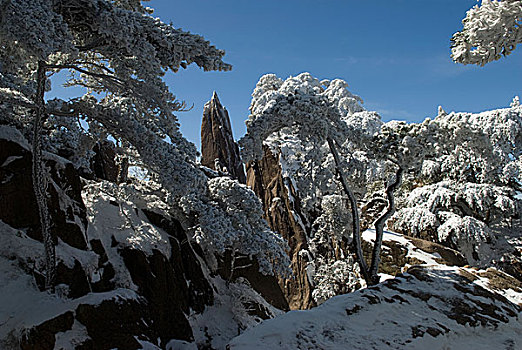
<point>490,31</point>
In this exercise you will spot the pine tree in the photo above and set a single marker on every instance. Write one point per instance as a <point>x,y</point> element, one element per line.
<point>118,52</point>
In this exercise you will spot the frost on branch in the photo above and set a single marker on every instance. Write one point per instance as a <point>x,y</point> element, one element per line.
<point>231,217</point>
<point>481,148</point>
<point>34,27</point>
<point>336,278</point>
<point>301,103</point>
<point>118,53</point>
<point>490,31</point>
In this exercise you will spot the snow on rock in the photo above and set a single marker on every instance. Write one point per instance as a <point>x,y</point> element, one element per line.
<point>427,307</point>
<point>13,135</point>
<point>236,307</point>
<point>111,216</point>
<point>400,252</point>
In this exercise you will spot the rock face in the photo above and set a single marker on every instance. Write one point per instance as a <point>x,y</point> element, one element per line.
<point>281,212</point>
<point>162,290</point>
<point>128,276</point>
<point>107,165</point>
<point>17,200</point>
<point>265,285</point>
<point>400,251</point>
<point>426,307</point>
<point>219,151</point>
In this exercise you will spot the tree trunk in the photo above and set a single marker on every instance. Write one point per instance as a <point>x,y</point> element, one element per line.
<point>379,227</point>
<point>39,179</point>
<point>354,210</point>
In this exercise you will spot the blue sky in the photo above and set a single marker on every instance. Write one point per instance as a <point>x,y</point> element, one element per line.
<point>393,53</point>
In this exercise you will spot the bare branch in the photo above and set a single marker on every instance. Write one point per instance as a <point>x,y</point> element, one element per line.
<point>379,226</point>
<point>354,210</point>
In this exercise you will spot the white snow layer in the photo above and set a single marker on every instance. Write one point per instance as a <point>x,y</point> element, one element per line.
<point>403,313</point>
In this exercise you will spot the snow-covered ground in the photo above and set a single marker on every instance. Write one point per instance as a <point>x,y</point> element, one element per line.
<point>432,308</point>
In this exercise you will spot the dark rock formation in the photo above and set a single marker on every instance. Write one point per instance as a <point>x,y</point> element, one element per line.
<point>165,289</point>
<point>169,289</point>
<point>196,289</point>
<point>266,285</point>
<point>107,165</point>
<point>18,203</point>
<point>42,337</point>
<point>265,178</point>
<point>116,323</point>
<point>219,151</point>
<point>75,278</point>
<point>105,267</point>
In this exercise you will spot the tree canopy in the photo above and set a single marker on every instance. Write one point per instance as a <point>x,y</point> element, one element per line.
<point>118,53</point>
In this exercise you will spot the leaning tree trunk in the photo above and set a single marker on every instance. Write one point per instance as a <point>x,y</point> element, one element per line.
<point>354,210</point>
<point>379,226</point>
<point>39,180</point>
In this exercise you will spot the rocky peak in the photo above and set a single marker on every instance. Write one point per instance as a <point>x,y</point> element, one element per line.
<point>219,151</point>
<point>282,212</point>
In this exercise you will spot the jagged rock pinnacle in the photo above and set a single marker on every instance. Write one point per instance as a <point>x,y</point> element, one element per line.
<point>217,141</point>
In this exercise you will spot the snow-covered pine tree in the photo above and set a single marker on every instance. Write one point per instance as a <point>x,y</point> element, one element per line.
<point>118,53</point>
<point>464,189</point>
<point>490,31</point>
<point>309,123</point>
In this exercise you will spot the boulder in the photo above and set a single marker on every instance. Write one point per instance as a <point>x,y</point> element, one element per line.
<point>42,336</point>
<point>426,307</point>
<point>399,251</point>
<point>116,323</point>
<point>265,285</point>
<point>185,260</point>
<point>165,290</point>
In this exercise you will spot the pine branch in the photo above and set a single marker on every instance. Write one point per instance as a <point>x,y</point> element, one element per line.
<point>121,83</point>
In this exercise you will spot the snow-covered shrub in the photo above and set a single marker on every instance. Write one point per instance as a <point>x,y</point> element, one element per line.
<point>417,222</point>
<point>335,278</point>
<point>231,217</point>
<point>470,236</point>
<point>461,215</point>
